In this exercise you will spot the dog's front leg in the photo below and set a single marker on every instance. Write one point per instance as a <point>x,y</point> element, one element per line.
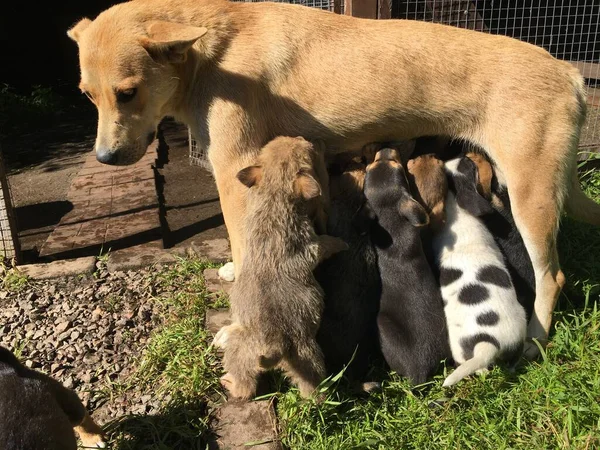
<point>329,246</point>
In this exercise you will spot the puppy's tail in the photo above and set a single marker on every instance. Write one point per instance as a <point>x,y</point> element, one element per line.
<point>484,355</point>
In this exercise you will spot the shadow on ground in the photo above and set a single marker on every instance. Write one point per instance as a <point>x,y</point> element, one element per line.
<point>182,426</point>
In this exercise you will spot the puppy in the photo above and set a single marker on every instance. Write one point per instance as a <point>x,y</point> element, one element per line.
<point>276,302</point>
<point>349,279</point>
<point>500,222</point>
<point>411,325</point>
<point>485,321</point>
<point>39,413</point>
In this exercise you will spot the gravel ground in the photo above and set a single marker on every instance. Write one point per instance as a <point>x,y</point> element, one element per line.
<point>87,332</point>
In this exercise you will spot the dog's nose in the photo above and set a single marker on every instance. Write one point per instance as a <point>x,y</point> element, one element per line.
<point>105,156</point>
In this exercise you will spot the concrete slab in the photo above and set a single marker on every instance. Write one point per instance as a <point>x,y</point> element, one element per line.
<point>56,269</point>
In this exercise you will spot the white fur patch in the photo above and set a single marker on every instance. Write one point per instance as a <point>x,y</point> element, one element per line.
<point>227,272</point>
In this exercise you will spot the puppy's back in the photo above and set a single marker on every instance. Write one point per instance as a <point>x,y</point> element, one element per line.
<point>30,417</point>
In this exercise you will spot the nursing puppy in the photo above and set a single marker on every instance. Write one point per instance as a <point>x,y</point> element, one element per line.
<point>501,224</point>
<point>39,413</point>
<point>412,329</point>
<point>349,279</point>
<point>485,321</point>
<point>276,302</point>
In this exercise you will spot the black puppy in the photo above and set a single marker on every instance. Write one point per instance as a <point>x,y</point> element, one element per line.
<point>350,281</point>
<point>411,321</point>
<point>39,413</point>
<point>496,214</point>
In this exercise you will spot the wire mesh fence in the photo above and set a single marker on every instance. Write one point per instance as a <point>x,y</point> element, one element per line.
<point>9,242</point>
<point>568,29</point>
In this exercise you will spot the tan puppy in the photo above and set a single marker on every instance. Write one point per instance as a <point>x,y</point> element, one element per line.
<point>276,301</point>
<point>240,73</point>
<point>429,187</point>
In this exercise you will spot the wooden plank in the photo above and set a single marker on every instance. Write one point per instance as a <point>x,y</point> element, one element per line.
<point>384,9</point>
<point>337,6</point>
<point>366,9</point>
<point>587,69</point>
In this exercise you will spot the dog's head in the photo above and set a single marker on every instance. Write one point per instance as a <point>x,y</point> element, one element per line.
<point>130,69</point>
<point>469,187</point>
<point>429,185</point>
<point>386,186</point>
<point>286,166</point>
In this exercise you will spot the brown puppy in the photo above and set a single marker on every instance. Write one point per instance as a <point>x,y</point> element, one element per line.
<point>429,187</point>
<point>39,413</point>
<point>240,73</point>
<point>276,302</point>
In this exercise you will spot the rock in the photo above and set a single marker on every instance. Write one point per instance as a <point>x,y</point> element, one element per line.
<point>63,326</point>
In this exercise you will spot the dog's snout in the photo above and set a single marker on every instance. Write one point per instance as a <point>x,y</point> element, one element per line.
<point>105,156</point>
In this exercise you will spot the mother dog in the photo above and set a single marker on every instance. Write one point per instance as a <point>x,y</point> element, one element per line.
<point>241,73</point>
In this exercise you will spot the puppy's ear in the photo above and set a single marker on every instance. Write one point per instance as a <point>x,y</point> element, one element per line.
<point>363,218</point>
<point>306,186</point>
<point>485,174</point>
<point>75,32</point>
<point>169,41</point>
<point>413,211</point>
<point>250,175</point>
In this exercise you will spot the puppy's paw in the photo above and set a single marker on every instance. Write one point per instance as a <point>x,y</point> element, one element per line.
<point>227,272</point>
<point>220,339</point>
<point>236,389</point>
<point>92,441</point>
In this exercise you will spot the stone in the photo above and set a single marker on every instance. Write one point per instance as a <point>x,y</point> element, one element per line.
<point>57,269</point>
<point>216,319</point>
<point>243,425</point>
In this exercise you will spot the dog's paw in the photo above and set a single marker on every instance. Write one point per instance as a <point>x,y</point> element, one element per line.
<point>531,351</point>
<point>227,272</point>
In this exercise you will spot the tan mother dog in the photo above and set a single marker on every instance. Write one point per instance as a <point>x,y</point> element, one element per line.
<point>241,73</point>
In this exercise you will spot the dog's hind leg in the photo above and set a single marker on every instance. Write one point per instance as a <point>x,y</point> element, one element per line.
<point>537,191</point>
<point>305,365</point>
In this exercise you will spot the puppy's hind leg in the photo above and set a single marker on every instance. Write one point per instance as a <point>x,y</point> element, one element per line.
<point>242,364</point>
<point>306,367</point>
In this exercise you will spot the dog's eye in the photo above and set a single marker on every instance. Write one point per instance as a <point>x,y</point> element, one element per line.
<point>126,96</point>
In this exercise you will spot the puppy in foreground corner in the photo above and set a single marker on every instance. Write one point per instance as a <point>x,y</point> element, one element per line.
<point>276,302</point>
<point>39,413</point>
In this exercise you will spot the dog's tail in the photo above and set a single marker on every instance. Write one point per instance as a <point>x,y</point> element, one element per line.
<point>579,206</point>
<point>484,355</point>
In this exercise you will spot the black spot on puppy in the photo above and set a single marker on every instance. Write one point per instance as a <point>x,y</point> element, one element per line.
<point>488,318</point>
<point>472,294</point>
<point>494,275</point>
<point>448,276</point>
<point>468,344</point>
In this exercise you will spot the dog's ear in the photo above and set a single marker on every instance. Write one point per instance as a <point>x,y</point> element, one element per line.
<point>465,188</point>
<point>307,186</point>
<point>250,175</point>
<point>75,31</point>
<point>413,211</point>
<point>363,218</point>
<point>169,41</point>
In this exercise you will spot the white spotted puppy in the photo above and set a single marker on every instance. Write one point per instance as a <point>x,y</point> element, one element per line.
<point>486,323</point>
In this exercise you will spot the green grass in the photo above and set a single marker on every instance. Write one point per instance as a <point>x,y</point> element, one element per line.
<point>551,403</point>
<point>11,279</point>
<point>177,365</point>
